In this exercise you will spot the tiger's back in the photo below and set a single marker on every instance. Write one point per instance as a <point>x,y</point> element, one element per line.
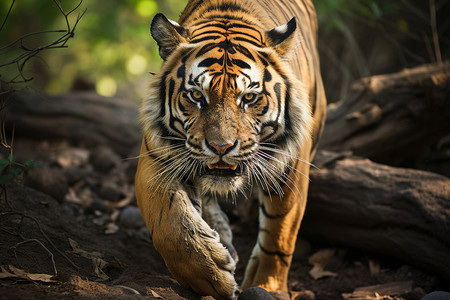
<point>238,104</point>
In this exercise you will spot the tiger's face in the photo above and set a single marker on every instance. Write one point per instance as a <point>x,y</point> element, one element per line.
<point>223,109</point>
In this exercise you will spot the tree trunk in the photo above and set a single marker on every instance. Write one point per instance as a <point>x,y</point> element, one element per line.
<point>82,118</point>
<point>401,213</point>
<point>390,118</point>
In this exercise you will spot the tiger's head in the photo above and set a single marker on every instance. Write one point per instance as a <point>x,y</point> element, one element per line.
<point>225,111</point>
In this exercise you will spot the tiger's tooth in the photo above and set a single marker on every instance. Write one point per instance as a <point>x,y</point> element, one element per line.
<point>233,167</point>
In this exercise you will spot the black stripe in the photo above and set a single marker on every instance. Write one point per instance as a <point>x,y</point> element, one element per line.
<point>222,16</point>
<point>244,51</point>
<point>208,62</point>
<point>226,7</point>
<point>274,124</point>
<point>287,100</point>
<point>280,254</point>
<point>246,40</point>
<point>162,94</point>
<point>208,33</point>
<point>194,145</point>
<point>269,216</point>
<point>206,48</point>
<point>267,76</point>
<point>181,72</point>
<point>241,64</point>
<point>148,149</point>
<point>171,200</point>
<point>211,37</point>
<point>171,89</point>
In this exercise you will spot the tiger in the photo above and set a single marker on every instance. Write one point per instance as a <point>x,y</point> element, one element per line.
<point>236,109</point>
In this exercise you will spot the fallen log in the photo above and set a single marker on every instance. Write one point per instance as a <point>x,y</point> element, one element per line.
<point>398,212</point>
<point>392,118</point>
<point>82,118</point>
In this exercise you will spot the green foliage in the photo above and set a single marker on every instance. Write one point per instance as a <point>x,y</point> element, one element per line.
<point>112,45</point>
<point>10,169</point>
<point>331,12</point>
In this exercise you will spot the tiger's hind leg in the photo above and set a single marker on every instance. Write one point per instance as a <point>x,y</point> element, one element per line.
<point>280,219</point>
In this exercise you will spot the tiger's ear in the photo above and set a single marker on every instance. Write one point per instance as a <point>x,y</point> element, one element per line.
<point>168,34</point>
<point>282,38</point>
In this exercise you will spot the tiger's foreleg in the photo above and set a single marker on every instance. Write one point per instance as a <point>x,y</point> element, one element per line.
<point>191,250</point>
<point>218,220</point>
<point>280,219</point>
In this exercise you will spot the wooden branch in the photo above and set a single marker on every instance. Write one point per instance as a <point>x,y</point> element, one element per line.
<point>401,213</point>
<point>392,117</point>
<point>82,118</point>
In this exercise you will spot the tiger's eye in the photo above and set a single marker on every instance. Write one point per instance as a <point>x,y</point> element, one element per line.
<point>250,97</point>
<point>197,95</point>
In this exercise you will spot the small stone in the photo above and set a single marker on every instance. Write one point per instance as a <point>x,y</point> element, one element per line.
<point>50,181</point>
<point>104,159</point>
<point>130,217</point>
<point>75,174</point>
<point>110,191</point>
<point>96,205</point>
<point>437,295</point>
<point>256,293</point>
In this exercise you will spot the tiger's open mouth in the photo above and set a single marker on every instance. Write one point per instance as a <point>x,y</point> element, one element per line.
<point>223,169</point>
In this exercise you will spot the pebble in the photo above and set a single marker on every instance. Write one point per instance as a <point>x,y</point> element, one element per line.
<point>110,191</point>
<point>104,159</point>
<point>255,293</point>
<point>75,174</point>
<point>130,217</point>
<point>437,295</point>
<point>48,180</point>
<point>96,205</point>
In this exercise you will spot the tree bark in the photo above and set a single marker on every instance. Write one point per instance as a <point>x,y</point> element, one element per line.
<point>401,213</point>
<point>82,118</point>
<point>390,118</point>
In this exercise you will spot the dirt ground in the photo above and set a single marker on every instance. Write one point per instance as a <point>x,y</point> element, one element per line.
<point>70,230</point>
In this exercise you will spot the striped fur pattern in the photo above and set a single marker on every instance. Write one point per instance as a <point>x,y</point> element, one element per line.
<point>236,108</point>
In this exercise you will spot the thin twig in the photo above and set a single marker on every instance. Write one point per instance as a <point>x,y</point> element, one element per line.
<point>43,234</point>
<point>21,60</point>
<point>7,15</point>
<point>42,245</point>
<point>437,49</point>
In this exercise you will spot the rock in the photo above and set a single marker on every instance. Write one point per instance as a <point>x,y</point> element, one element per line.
<point>437,295</point>
<point>130,217</point>
<point>255,293</point>
<point>104,159</point>
<point>75,174</point>
<point>96,205</point>
<point>110,191</point>
<point>48,180</point>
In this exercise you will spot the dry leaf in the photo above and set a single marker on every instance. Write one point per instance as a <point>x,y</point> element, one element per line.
<point>18,273</point>
<point>6,274</point>
<point>319,260</point>
<point>155,294</point>
<point>77,250</point>
<point>111,228</point>
<point>99,264</point>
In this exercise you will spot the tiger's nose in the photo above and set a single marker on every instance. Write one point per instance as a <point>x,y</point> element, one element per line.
<point>222,148</point>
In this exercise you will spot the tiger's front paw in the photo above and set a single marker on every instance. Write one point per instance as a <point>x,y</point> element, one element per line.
<point>205,266</point>
<point>194,254</point>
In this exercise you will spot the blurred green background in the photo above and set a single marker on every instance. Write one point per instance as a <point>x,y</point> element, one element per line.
<point>112,51</point>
